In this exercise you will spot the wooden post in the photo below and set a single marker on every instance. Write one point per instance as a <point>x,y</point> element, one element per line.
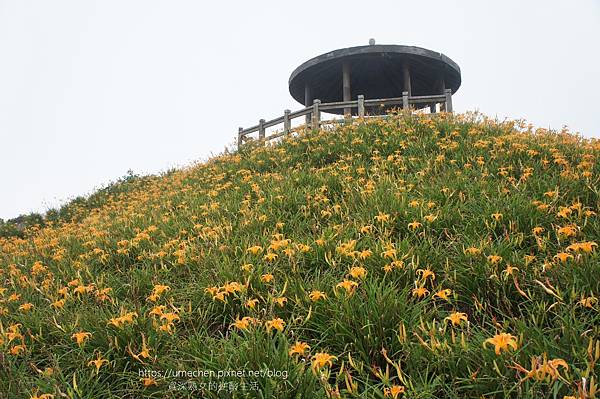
<point>261,131</point>
<point>406,74</point>
<point>432,108</point>
<point>240,141</point>
<point>307,101</point>
<point>405,104</point>
<point>448,93</point>
<point>316,115</point>
<point>347,93</point>
<point>287,124</point>
<point>361,106</point>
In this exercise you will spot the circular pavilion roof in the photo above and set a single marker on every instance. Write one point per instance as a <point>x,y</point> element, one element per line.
<point>376,71</point>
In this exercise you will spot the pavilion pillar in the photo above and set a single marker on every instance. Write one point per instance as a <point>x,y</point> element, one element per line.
<point>346,88</point>
<point>406,77</point>
<point>442,90</point>
<point>308,101</point>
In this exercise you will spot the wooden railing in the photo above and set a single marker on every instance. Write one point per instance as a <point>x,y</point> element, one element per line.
<point>313,113</point>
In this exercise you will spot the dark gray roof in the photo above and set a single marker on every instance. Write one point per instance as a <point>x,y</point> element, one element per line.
<point>376,72</point>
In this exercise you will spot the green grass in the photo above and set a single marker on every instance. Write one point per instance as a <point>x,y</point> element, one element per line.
<point>324,202</point>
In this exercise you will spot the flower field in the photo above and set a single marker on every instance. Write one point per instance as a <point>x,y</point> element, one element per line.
<point>451,256</point>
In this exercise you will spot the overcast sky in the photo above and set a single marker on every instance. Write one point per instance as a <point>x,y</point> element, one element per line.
<point>90,89</point>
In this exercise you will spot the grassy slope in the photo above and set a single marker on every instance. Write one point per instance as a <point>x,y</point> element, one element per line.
<point>324,203</point>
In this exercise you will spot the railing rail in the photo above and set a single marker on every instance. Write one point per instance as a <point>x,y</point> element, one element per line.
<point>313,113</point>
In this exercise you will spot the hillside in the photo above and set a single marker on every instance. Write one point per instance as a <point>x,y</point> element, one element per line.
<point>411,257</point>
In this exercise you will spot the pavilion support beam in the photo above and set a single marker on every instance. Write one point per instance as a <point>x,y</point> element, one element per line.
<point>347,93</point>
<point>406,78</point>
<point>442,90</point>
<point>308,101</point>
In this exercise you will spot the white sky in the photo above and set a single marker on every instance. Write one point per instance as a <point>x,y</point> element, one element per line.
<point>90,89</point>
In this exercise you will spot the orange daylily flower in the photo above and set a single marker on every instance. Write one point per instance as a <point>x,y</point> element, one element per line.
<point>276,323</point>
<point>321,360</point>
<point>298,348</point>
<point>502,342</point>
<point>81,337</point>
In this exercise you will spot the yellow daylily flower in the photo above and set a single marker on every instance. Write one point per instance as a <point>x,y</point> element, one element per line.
<point>358,272</point>
<point>382,217</point>
<point>316,295</point>
<point>347,285</point>
<point>81,337</point>
<point>563,256</point>
<point>170,317</point>
<point>148,381</point>
<point>443,294</point>
<point>243,323</point>
<point>98,362</point>
<point>497,216</point>
<point>276,323</point>
<point>298,348</point>
<point>280,301</point>
<point>251,303</point>
<point>456,318</point>
<point>494,259</point>
<point>322,359</point>
<point>473,251</point>
<point>425,274</point>
<point>26,307</point>
<point>255,249</point>
<point>270,257</point>
<point>17,349</point>
<point>420,292</point>
<point>414,225</point>
<point>502,342</point>
<point>394,391</point>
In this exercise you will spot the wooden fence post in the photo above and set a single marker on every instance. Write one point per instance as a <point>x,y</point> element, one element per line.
<point>448,93</point>
<point>316,114</point>
<point>405,100</point>
<point>287,125</point>
<point>240,141</point>
<point>261,131</point>
<point>361,106</point>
